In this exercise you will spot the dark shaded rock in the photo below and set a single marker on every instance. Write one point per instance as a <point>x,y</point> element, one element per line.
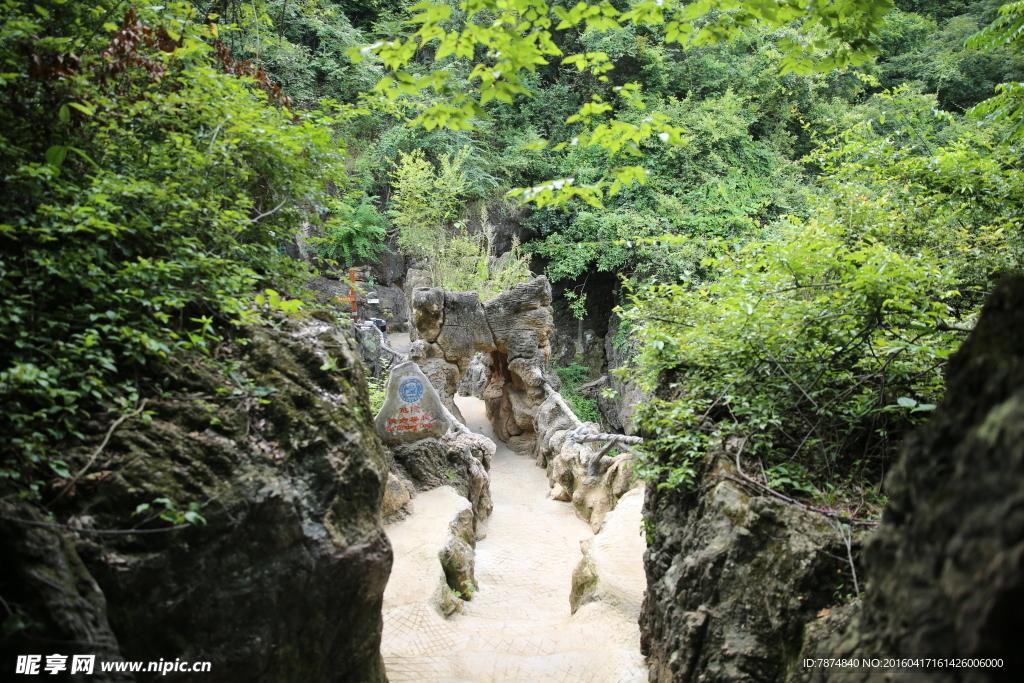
<point>477,377</point>
<point>392,305</point>
<point>285,581</point>
<point>426,461</point>
<point>459,460</point>
<point>57,598</point>
<point>389,267</point>
<point>619,350</point>
<point>946,567</point>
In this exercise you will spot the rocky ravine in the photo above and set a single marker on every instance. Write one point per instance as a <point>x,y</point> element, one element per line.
<point>737,582</point>
<point>284,582</point>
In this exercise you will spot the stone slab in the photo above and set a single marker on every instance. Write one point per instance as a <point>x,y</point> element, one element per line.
<point>412,409</point>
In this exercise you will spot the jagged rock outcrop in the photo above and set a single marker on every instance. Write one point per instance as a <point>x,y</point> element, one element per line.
<point>285,580</point>
<point>458,557</point>
<point>945,570</point>
<point>736,583</point>
<point>460,460</point>
<point>514,328</point>
<point>732,579</point>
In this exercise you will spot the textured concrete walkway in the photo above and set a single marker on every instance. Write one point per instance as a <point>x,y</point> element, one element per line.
<point>518,627</point>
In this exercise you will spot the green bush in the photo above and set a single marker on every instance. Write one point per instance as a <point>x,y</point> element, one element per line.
<point>150,184</point>
<point>816,351</point>
<point>573,376</point>
<point>357,233</point>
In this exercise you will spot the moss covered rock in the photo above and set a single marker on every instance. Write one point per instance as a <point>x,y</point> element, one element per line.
<point>285,580</point>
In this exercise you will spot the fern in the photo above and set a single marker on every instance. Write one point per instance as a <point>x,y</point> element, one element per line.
<point>353,233</point>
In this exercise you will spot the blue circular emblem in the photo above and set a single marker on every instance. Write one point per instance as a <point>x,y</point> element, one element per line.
<point>411,390</point>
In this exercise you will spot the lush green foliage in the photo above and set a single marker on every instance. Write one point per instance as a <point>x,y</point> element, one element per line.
<point>818,348</point>
<point>425,209</point>
<point>150,182</point>
<point>572,376</point>
<point>356,234</point>
<point>515,37</point>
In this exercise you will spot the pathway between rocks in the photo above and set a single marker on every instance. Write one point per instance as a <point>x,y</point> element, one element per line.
<point>518,626</point>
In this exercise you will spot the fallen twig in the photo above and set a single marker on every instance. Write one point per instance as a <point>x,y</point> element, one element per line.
<point>99,449</point>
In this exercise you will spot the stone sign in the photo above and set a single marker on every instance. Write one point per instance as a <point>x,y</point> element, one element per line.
<point>412,409</point>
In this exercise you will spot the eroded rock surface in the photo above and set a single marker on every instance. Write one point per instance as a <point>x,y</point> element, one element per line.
<point>514,328</point>
<point>732,580</point>
<point>285,580</point>
<point>945,571</point>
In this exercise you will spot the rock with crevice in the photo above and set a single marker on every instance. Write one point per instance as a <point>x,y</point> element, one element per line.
<point>514,328</point>
<point>285,580</point>
<point>732,579</point>
<point>459,460</point>
<point>945,571</point>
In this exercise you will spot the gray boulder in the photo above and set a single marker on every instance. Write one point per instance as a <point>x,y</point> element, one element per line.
<point>412,409</point>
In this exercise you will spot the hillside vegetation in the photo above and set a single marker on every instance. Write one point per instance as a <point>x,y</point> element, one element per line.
<point>804,214</point>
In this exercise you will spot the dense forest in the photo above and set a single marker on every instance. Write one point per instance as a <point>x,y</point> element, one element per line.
<point>800,214</point>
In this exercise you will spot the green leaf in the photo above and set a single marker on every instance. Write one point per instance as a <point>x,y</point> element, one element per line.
<point>56,154</point>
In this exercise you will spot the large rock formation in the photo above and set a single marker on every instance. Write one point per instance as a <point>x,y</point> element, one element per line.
<point>946,568</point>
<point>732,579</point>
<point>741,587</point>
<point>514,328</point>
<point>594,487</point>
<point>285,580</point>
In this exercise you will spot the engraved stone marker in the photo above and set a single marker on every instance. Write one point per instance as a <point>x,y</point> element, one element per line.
<point>412,409</point>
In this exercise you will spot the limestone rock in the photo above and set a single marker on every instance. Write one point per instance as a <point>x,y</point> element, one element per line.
<point>284,581</point>
<point>420,539</point>
<point>460,461</point>
<point>426,462</point>
<point>612,568</point>
<point>412,408</point>
<point>618,411</point>
<point>458,556</point>
<point>464,331</point>
<point>524,444</point>
<point>476,380</point>
<point>395,496</point>
<point>428,312</point>
<point>43,575</point>
<point>513,327</point>
<point>732,579</point>
<point>944,572</point>
<point>559,493</point>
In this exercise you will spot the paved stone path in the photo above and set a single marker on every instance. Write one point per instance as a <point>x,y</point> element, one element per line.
<point>518,627</point>
<point>399,341</point>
